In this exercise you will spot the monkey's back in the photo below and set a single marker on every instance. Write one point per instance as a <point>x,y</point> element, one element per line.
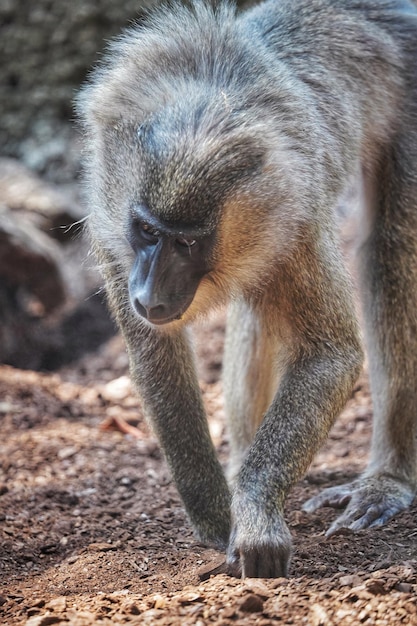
<point>358,36</point>
<point>337,72</point>
<point>355,58</point>
<point>362,55</point>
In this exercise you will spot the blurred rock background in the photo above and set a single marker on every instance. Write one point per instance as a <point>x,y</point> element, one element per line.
<point>50,311</point>
<point>46,49</point>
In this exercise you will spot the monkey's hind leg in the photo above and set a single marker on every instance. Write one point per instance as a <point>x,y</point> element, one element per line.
<point>249,380</point>
<point>389,282</point>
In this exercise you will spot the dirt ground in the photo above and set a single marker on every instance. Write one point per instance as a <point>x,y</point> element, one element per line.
<point>92,530</point>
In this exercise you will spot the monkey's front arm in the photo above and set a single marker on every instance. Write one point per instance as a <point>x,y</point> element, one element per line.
<point>312,393</point>
<point>323,359</point>
<point>162,368</point>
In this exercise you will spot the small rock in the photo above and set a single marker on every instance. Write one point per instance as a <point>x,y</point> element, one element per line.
<point>43,620</point>
<point>34,621</point>
<point>100,547</point>
<point>349,581</point>
<point>404,587</point>
<point>49,548</point>
<point>133,609</point>
<point>73,559</point>
<point>376,587</point>
<point>159,602</point>
<point>117,389</point>
<point>319,616</point>
<point>217,565</point>
<point>279,582</point>
<point>252,603</point>
<point>258,588</point>
<point>150,617</point>
<point>229,612</point>
<point>39,603</point>
<point>7,407</point>
<point>188,597</point>
<point>57,604</point>
<point>67,452</point>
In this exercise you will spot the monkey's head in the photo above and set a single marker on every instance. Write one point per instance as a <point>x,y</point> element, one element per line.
<point>185,203</point>
<point>168,203</point>
<point>192,160</point>
<point>185,176</point>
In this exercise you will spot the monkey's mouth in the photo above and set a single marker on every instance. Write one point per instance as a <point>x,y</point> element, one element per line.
<point>166,320</point>
<point>160,315</point>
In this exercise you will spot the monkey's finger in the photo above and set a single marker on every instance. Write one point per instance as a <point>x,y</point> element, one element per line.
<point>336,497</point>
<point>376,516</point>
<point>381,520</point>
<point>358,518</point>
<point>234,566</point>
<point>342,524</point>
<point>266,562</point>
<point>349,520</point>
<point>233,562</point>
<point>366,520</point>
<point>373,503</point>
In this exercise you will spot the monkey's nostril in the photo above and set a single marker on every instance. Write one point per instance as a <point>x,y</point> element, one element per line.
<point>143,312</point>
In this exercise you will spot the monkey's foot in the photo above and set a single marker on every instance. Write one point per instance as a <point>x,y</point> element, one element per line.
<point>259,552</point>
<point>371,501</point>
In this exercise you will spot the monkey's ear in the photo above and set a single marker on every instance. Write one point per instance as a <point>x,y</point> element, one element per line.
<point>116,89</point>
<point>99,103</point>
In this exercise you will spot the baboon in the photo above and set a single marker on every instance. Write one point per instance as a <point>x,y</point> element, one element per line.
<point>219,148</point>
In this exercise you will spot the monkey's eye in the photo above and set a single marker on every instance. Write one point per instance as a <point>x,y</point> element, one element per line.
<point>184,242</point>
<point>148,233</point>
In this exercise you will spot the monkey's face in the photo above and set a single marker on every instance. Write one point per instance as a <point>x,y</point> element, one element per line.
<point>169,265</point>
<point>185,172</point>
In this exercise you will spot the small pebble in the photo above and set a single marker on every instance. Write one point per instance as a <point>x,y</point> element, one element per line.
<point>252,603</point>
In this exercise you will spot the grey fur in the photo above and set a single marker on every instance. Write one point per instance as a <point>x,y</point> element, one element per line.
<point>252,128</point>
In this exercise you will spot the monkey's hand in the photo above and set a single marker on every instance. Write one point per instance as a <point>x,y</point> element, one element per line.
<point>260,542</point>
<point>371,501</point>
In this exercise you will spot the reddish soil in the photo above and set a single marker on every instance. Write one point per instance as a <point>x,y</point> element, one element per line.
<point>92,530</point>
